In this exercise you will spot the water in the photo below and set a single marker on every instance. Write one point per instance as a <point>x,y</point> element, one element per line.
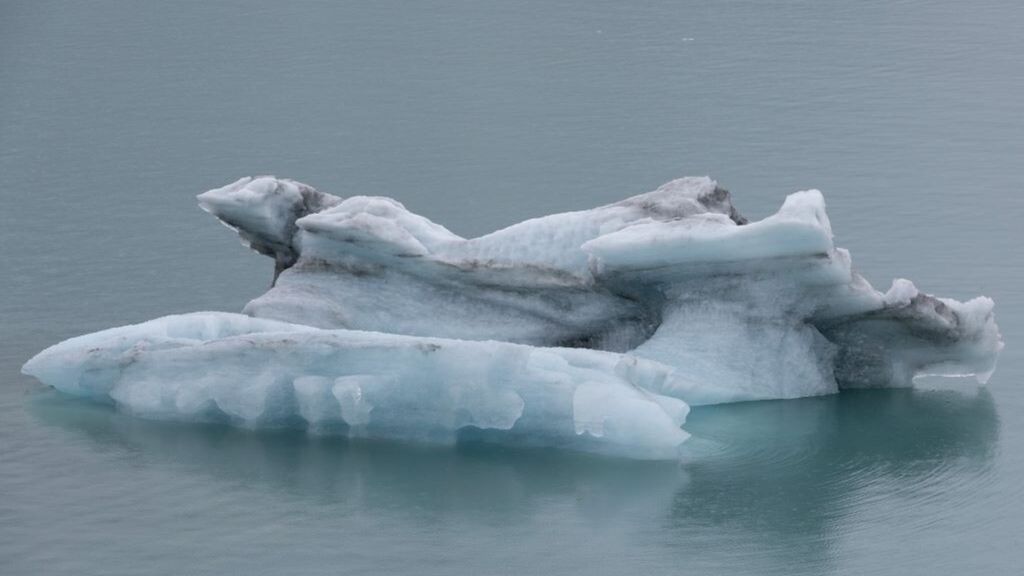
<point>909,115</point>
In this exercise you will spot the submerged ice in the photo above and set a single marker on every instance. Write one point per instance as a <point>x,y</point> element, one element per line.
<point>591,330</point>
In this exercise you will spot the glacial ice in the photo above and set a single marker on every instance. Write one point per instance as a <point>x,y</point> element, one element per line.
<point>254,372</point>
<point>592,330</point>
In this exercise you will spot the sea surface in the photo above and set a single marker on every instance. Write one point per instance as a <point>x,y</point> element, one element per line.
<point>908,115</point>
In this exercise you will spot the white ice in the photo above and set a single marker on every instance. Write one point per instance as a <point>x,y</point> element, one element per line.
<point>591,330</point>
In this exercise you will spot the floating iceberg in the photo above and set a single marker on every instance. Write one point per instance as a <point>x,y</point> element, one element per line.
<point>592,330</point>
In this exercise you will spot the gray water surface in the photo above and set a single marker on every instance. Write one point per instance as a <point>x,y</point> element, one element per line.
<point>113,115</point>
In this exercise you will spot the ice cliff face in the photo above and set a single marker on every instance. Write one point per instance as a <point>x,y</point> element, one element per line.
<point>591,330</point>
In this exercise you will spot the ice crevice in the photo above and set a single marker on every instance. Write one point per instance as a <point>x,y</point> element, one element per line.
<point>592,330</point>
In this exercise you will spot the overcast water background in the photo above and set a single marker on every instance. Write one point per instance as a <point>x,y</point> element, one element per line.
<point>113,115</point>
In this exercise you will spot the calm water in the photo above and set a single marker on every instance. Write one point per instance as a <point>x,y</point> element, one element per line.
<point>909,115</point>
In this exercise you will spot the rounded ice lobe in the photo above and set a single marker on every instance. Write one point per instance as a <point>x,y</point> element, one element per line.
<point>592,330</point>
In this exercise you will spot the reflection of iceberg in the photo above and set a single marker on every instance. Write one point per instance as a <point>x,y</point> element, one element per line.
<point>591,329</point>
<point>811,476</point>
<point>797,475</point>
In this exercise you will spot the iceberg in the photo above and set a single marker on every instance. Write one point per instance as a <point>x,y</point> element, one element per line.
<point>593,330</point>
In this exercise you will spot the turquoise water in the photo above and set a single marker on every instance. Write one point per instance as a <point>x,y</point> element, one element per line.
<point>113,115</point>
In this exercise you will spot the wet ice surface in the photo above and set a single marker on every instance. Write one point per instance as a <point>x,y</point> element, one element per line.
<point>907,116</point>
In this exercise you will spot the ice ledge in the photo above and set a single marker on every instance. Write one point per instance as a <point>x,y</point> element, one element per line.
<point>229,367</point>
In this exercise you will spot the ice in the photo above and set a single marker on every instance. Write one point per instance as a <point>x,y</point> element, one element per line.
<point>530,283</point>
<point>591,330</point>
<point>209,366</point>
<point>799,228</point>
<point>264,210</point>
<point>379,226</point>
